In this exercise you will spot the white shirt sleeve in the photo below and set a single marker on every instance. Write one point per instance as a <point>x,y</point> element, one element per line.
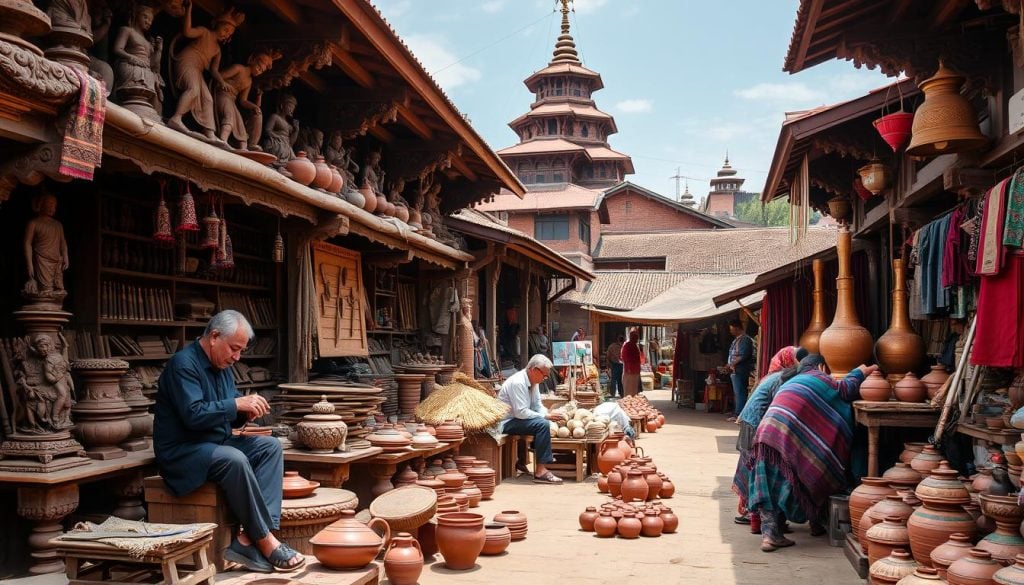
<point>523,398</point>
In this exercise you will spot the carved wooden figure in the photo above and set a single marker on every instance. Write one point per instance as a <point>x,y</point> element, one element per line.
<point>232,96</point>
<point>281,130</point>
<point>336,154</point>
<point>43,381</point>
<point>138,83</point>
<point>70,33</point>
<point>46,250</point>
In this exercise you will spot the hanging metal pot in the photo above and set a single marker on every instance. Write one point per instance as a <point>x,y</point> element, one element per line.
<point>874,177</point>
<point>946,122</point>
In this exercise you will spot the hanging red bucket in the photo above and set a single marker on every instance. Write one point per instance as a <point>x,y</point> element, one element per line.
<point>895,128</point>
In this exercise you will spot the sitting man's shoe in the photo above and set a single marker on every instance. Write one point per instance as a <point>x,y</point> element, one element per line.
<point>741,519</point>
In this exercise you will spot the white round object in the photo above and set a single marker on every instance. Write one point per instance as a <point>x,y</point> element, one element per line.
<point>563,433</point>
<point>603,418</point>
<point>579,433</point>
<point>554,427</point>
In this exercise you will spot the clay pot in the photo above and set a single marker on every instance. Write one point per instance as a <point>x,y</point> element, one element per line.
<point>427,537</point>
<point>323,431</point>
<point>453,480</point>
<point>356,198</point>
<point>977,568</point>
<point>348,543</point>
<point>885,537</point>
<point>391,440</point>
<point>942,556</point>
<point>845,344</point>
<point>296,486</point>
<point>337,181</point>
<point>302,170</point>
<point>407,476</point>
<point>1005,543</point>
<point>652,524</point>
<point>602,484</point>
<point>496,540</point>
<point>382,205</point>
<point>870,490</point>
<point>910,450</point>
<point>902,475</point>
<point>925,461</point>
<point>900,349</point>
<point>587,518</point>
<point>819,322</point>
<point>634,487</point>
<point>369,199</point>
<point>654,482</point>
<point>981,480</point>
<point>1012,575</point>
<point>892,506</point>
<point>423,440</point>
<point>473,493</point>
<point>605,526</point>
<point>667,488</point>
<point>910,389</point>
<point>933,524</point>
<point>402,212</point>
<point>943,487</point>
<point>670,520</point>
<point>323,177</point>
<point>934,380</point>
<point>875,388</point>
<point>461,500</point>
<point>460,538</point>
<point>630,526</point>
<point>403,562</point>
<point>892,568</point>
<point>652,426</point>
<point>610,455</point>
<point>922,576</point>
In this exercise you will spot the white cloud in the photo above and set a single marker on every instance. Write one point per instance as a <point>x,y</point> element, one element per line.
<point>493,6</point>
<point>634,105</point>
<point>781,92</point>
<point>586,6</point>
<point>831,90</point>
<point>396,9</point>
<point>433,53</point>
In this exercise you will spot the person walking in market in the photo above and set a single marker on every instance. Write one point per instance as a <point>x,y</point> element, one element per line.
<point>630,357</point>
<point>528,416</point>
<point>614,357</point>
<point>741,362</point>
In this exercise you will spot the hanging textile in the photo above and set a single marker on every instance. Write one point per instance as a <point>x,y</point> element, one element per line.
<point>956,270</point>
<point>999,330</point>
<point>679,350</point>
<point>931,245</point>
<point>1013,228</point>
<point>82,148</point>
<point>301,308</point>
<point>776,323</point>
<point>990,246</point>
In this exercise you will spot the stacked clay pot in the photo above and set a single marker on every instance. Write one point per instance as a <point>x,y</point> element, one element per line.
<point>639,406</point>
<point>889,507</point>
<point>515,521</point>
<point>1012,575</point>
<point>926,460</point>
<point>942,513</point>
<point>460,538</point>
<point>865,495</point>
<point>942,556</point>
<point>977,568</point>
<point>892,568</point>
<point>482,476</point>
<point>885,537</point>
<point>910,450</point>
<point>1005,543</point>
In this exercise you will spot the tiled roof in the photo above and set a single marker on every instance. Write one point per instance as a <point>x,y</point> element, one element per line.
<point>569,196</point>
<point>556,109</point>
<point>541,145</point>
<point>624,289</point>
<point>627,186</point>
<point>604,153</point>
<point>732,251</point>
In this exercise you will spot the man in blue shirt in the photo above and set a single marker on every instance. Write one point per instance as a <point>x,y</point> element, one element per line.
<point>527,416</point>
<point>197,405</point>
<point>741,362</point>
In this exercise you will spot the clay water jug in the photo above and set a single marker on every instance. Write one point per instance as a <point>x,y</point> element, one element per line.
<point>670,520</point>
<point>667,488</point>
<point>605,526</point>
<point>403,562</point>
<point>348,543</point>
<point>634,487</point>
<point>302,170</point>
<point>615,481</point>
<point>870,490</point>
<point>654,482</point>
<point>900,349</point>
<point>810,337</point>
<point>977,568</point>
<point>610,455</point>
<point>845,344</point>
<point>652,524</point>
<point>630,526</point>
<point>587,518</point>
<point>602,484</point>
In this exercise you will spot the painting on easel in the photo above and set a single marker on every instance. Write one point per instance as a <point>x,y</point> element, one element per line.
<point>572,353</point>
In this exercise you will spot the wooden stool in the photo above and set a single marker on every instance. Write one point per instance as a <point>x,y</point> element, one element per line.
<point>91,562</point>
<point>207,504</point>
<point>719,393</point>
<point>509,453</point>
<point>579,449</point>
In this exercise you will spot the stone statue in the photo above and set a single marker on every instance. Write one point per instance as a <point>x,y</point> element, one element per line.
<point>137,75</point>
<point>395,196</point>
<point>43,380</point>
<point>232,96</point>
<point>372,175</point>
<point>281,130</point>
<point>336,154</point>
<point>200,55</point>
<point>46,250</point>
<point>310,140</point>
<point>432,208</point>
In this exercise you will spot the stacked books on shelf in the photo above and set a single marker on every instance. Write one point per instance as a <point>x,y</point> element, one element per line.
<point>259,310</point>
<point>129,302</point>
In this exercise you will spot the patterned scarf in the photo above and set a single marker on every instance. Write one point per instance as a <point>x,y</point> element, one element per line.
<point>784,358</point>
<point>990,246</point>
<point>1013,229</point>
<point>82,150</point>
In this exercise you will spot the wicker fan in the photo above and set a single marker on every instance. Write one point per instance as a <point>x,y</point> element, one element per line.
<point>474,408</point>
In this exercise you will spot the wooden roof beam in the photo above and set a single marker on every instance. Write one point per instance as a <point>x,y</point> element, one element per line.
<point>898,9</point>
<point>812,21</point>
<point>285,9</point>
<point>415,123</point>
<point>381,133</point>
<point>348,64</point>
<point>460,165</point>
<point>314,81</point>
<point>944,11</point>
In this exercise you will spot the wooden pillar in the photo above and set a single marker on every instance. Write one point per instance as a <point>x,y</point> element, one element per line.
<point>493,274</point>
<point>524,314</point>
<point>595,337</point>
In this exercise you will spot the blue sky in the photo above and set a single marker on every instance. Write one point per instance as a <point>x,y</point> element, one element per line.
<point>686,80</point>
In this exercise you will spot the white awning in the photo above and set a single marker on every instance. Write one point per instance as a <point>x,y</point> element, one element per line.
<point>690,300</point>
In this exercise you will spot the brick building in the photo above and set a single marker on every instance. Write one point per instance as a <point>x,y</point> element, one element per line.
<point>726,193</point>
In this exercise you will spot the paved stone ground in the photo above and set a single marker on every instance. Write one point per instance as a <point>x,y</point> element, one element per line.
<point>697,450</point>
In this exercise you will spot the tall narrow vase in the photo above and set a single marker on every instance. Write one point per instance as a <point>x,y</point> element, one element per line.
<point>845,344</point>
<point>809,339</point>
<point>899,350</point>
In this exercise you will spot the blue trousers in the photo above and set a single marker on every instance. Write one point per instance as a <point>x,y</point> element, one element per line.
<point>616,379</point>
<point>739,388</point>
<point>250,471</point>
<point>539,429</point>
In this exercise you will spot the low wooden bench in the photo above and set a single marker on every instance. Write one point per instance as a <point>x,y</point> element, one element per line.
<point>571,470</point>
<point>207,504</point>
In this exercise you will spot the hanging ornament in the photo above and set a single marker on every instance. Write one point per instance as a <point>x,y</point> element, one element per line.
<point>946,122</point>
<point>187,221</point>
<point>229,252</point>
<point>163,234</point>
<point>211,228</point>
<point>222,240</point>
<point>278,254</point>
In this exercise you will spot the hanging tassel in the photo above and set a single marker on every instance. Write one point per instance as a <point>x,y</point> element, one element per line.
<point>229,252</point>
<point>187,221</point>
<point>162,233</point>
<point>278,254</point>
<point>211,228</point>
<point>222,240</point>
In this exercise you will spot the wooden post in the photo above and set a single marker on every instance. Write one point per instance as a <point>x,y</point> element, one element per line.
<point>493,274</point>
<point>525,275</point>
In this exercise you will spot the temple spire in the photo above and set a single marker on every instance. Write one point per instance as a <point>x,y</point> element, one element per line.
<point>565,47</point>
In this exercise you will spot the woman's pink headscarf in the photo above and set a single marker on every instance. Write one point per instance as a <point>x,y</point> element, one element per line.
<point>784,358</point>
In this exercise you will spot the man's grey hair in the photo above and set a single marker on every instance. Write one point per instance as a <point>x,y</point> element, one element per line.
<point>228,323</point>
<point>539,360</point>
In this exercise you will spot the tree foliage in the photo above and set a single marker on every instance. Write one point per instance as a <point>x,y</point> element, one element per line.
<point>774,214</point>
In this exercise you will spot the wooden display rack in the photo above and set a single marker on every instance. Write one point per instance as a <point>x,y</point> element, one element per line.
<point>338,278</point>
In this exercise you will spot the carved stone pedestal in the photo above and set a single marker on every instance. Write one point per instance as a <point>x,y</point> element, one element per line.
<point>68,47</point>
<point>46,507</point>
<point>101,413</point>
<point>129,502</point>
<point>44,453</point>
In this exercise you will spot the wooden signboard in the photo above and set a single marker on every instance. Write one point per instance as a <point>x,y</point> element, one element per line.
<point>338,275</point>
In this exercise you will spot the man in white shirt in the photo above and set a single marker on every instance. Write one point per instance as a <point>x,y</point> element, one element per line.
<point>527,416</point>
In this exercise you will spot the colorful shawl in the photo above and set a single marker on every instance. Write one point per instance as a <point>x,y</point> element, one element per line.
<point>1013,228</point>
<point>990,245</point>
<point>82,150</point>
<point>800,453</point>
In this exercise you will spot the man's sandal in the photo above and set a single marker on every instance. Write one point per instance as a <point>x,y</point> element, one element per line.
<point>773,545</point>
<point>548,477</point>
<point>282,558</point>
<point>247,556</point>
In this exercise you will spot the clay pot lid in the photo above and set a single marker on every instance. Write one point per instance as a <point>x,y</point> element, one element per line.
<point>295,485</point>
<point>927,573</point>
<point>406,502</point>
<point>322,411</point>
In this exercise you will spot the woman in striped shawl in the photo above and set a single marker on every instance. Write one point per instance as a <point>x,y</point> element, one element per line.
<point>800,452</point>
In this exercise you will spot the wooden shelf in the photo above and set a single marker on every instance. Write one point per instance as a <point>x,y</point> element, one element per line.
<point>258,356</point>
<point>385,293</point>
<point>380,331</point>
<point>256,385</point>
<point>194,247</point>
<point>108,321</point>
<point>181,279</point>
<point>143,358</point>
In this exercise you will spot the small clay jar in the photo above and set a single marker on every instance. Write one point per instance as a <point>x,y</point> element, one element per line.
<point>925,461</point>
<point>667,488</point>
<point>615,482</point>
<point>654,482</point>
<point>323,177</point>
<point>934,380</point>
<point>652,524</point>
<point>870,490</point>
<point>959,545</point>
<point>403,562</point>
<point>302,170</point>
<point>634,487</point>
<point>605,526</point>
<point>587,518</point>
<point>910,389</point>
<point>977,568</point>
<point>875,388</point>
<point>630,526</point>
<point>497,539</point>
<point>1012,575</point>
<point>910,450</point>
<point>892,568</point>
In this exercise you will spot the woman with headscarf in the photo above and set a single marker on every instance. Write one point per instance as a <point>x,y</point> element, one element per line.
<point>801,450</point>
<point>782,367</point>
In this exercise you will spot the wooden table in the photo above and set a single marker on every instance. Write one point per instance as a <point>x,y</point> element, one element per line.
<point>1000,436</point>
<point>384,466</point>
<point>875,415</point>
<point>330,469</point>
<point>45,499</point>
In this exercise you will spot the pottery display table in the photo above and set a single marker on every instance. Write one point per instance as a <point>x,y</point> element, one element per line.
<point>385,465</point>
<point>45,499</point>
<point>90,562</point>
<point>301,518</point>
<point>330,469</point>
<point>313,573</point>
<point>875,415</point>
<point>578,448</point>
<point>997,436</point>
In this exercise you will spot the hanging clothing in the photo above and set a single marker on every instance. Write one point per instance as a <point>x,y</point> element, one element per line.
<point>1013,227</point>
<point>999,325</point>
<point>990,246</point>
<point>976,217</point>
<point>932,244</point>
<point>956,270</point>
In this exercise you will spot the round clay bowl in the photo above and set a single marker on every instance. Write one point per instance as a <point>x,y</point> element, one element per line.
<point>296,486</point>
<point>496,540</point>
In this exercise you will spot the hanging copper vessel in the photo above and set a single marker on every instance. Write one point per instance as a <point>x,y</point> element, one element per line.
<point>211,230</point>
<point>899,350</point>
<point>946,122</point>
<point>809,338</point>
<point>874,176</point>
<point>845,344</point>
<point>187,221</point>
<point>162,232</point>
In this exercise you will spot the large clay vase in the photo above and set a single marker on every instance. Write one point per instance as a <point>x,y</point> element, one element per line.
<point>977,568</point>
<point>891,569</point>
<point>876,388</point>
<point>900,349</point>
<point>403,562</point>
<point>810,337</point>
<point>934,380</point>
<point>1012,575</point>
<point>892,506</point>
<point>610,455</point>
<point>926,460</point>
<point>845,344</point>
<point>302,170</point>
<point>1005,543</point>
<point>348,543</point>
<point>942,513</point>
<point>870,490</point>
<point>634,487</point>
<point>323,177</point>
<point>460,538</point>
<point>885,537</point>
<point>959,545</point>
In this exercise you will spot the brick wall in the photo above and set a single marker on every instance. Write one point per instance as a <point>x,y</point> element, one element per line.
<point>720,205</point>
<point>632,212</point>
<point>568,317</point>
<point>524,223</point>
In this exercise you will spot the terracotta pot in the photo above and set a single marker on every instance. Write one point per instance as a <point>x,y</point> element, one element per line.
<point>891,569</point>
<point>602,484</point>
<point>426,535</point>
<point>946,121</point>
<point>933,524</point>
<point>667,488</point>
<point>1005,543</point>
<point>460,538</point>
<point>1012,575</point>
<point>934,380</point>
<point>337,181</point>
<point>943,487</point>
<point>910,389</point>
<point>630,526</point>
<point>496,540</point>
<point>634,487</point>
<point>652,524</point>
<point>382,205</point>
<point>587,518</point>
<point>323,177</point>
<point>819,322</point>
<point>473,492</point>
<point>661,420</point>
<point>296,486</point>
<point>605,526</point>
<point>391,440</point>
<point>369,199</point>
<point>981,480</point>
<point>925,461</point>
<point>615,482</point>
<point>670,520</point>
<point>875,388</point>
<point>885,537</point>
<point>302,170</point>
<point>348,543</point>
<point>322,431</point>
<point>356,198</point>
<point>461,500</point>
<point>610,455</point>
<point>453,480</point>
<point>654,482</point>
<point>977,568</point>
<point>942,556</point>
<point>902,475</point>
<point>910,450</point>
<point>892,506</point>
<point>922,576</point>
<point>845,344</point>
<point>402,212</point>
<point>407,476</point>
<point>870,490</point>
<point>403,562</point>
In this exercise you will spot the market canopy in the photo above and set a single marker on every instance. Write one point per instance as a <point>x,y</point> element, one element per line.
<point>688,301</point>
